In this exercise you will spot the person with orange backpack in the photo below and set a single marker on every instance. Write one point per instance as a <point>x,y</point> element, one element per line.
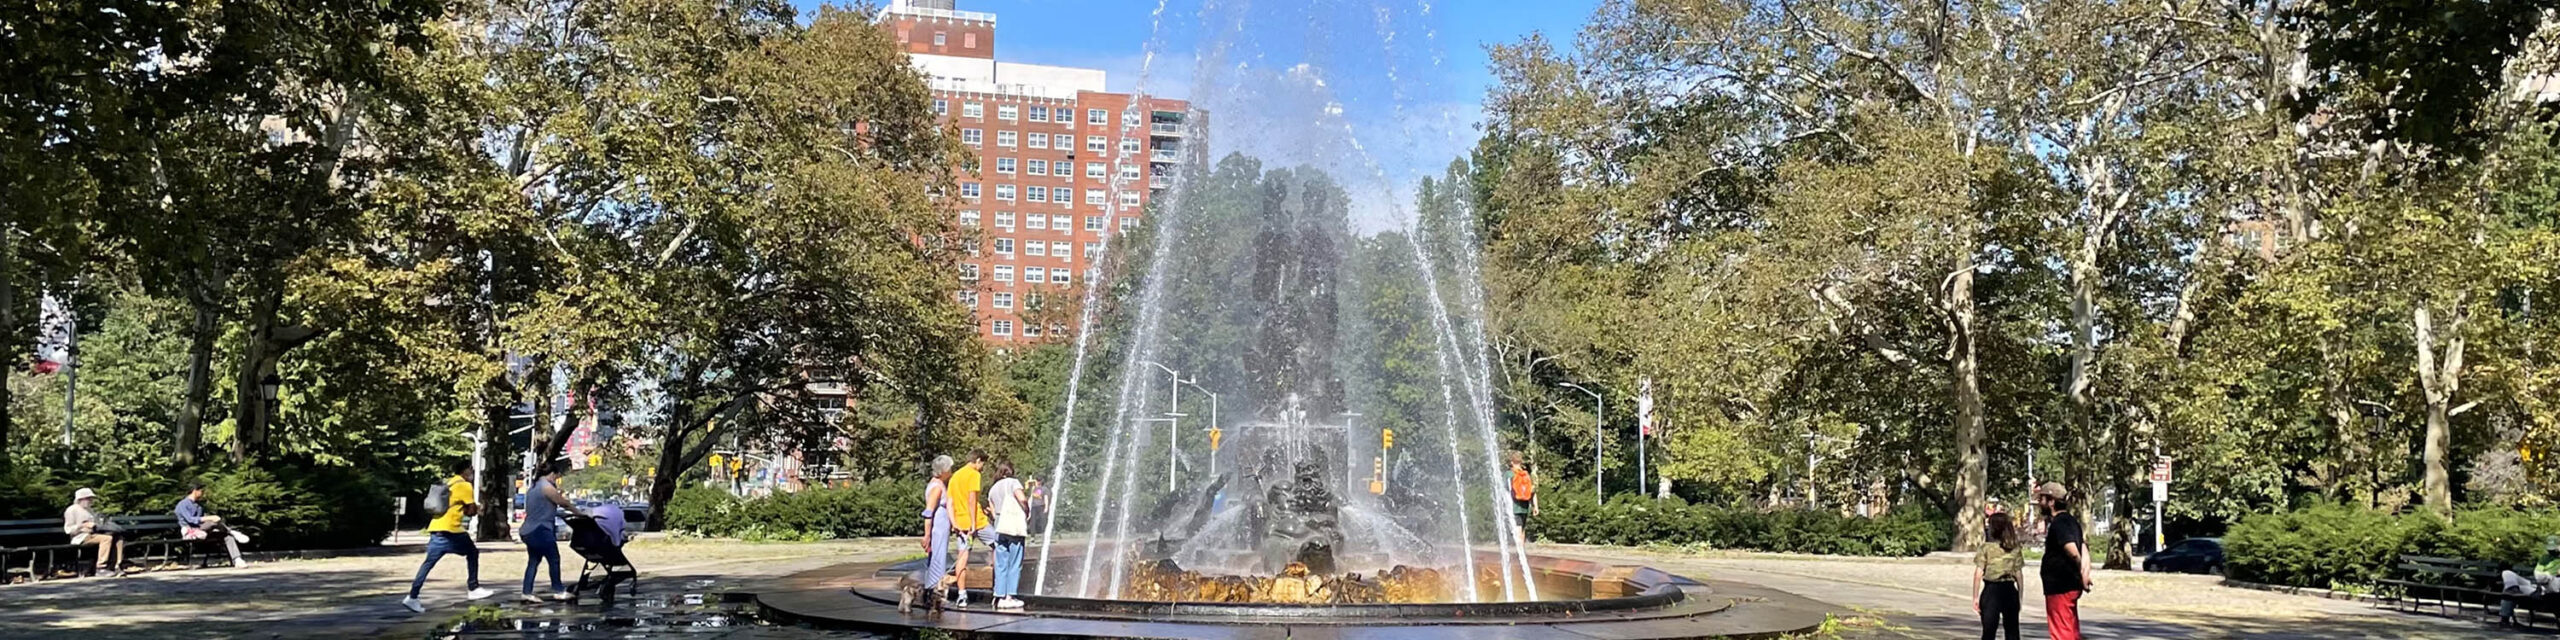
<point>1524,498</point>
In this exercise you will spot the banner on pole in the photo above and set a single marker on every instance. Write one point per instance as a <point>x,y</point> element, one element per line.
<point>1644,407</point>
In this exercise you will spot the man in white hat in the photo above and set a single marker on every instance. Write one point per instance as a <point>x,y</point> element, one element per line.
<point>85,529</point>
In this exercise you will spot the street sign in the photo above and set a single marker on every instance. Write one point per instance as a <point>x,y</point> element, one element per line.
<point>2160,470</point>
<point>2159,491</point>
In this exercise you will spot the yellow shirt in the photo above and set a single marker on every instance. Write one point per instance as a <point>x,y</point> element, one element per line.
<point>458,493</point>
<point>965,515</point>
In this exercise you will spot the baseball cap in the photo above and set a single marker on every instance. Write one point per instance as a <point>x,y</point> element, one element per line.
<point>2054,490</point>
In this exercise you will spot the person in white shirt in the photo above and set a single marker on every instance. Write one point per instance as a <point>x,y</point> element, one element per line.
<point>1013,527</point>
<point>84,526</point>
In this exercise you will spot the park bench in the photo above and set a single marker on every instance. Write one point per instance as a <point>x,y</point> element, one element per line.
<point>2456,583</point>
<point>37,547</point>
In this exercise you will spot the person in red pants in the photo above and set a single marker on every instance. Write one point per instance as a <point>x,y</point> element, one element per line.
<point>2066,562</point>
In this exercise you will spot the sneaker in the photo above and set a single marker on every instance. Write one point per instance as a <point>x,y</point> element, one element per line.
<point>239,537</point>
<point>479,594</point>
<point>1008,603</point>
<point>239,564</point>
<point>414,605</point>
<point>529,599</point>
<point>563,596</point>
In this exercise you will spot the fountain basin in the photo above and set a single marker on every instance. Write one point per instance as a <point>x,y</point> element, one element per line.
<point>1580,598</point>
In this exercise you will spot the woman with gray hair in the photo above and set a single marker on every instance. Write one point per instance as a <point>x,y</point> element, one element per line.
<point>937,540</point>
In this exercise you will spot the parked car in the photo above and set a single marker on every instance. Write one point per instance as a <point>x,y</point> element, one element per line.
<point>2192,555</point>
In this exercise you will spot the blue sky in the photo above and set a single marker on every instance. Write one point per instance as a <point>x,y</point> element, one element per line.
<point>1377,92</point>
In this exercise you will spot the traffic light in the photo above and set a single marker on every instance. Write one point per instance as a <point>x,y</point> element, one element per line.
<point>1214,434</point>
<point>1378,475</point>
<point>716,464</point>
<point>1386,438</point>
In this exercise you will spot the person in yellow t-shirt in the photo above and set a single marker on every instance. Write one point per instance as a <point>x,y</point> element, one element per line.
<point>446,534</point>
<point>968,518</point>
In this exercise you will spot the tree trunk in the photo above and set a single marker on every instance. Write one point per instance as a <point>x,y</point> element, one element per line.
<point>2440,378</point>
<point>8,332</point>
<point>496,483</point>
<point>662,484</point>
<point>1972,476</point>
<point>200,339</point>
<point>249,409</point>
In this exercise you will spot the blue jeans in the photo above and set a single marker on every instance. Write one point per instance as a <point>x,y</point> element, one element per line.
<point>541,543</point>
<point>1008,565</point>
<point>444,542</point>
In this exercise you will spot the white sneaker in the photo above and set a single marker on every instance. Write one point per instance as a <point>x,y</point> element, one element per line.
<point>530,599</point>
<point>239,537</point>
<point>479,594</point>
<point>239,564</point>
<point>414,605</point>
<point>563,596</point>
<point>1008,603</point>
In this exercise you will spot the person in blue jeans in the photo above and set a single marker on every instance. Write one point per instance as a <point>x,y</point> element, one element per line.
<point>540,531</point>
<point>446,535</point>
<point>1012,528</point>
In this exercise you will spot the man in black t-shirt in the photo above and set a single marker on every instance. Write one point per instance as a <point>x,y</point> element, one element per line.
<point>2066,562</point>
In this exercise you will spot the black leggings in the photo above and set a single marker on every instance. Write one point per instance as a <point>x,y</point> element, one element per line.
<point>1999,609</point>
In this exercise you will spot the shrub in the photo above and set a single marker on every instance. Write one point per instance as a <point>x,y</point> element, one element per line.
<point>2331,545</point>
<point>1635,520</point>
<point>300,507</point>
<point>859,511</point>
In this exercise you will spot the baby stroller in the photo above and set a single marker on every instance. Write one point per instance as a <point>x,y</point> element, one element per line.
<point>603,552</point>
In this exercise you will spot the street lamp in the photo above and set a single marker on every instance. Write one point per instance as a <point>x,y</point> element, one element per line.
<point>1172,432</point>
<point>268,388</point>
<point>1600,414</point>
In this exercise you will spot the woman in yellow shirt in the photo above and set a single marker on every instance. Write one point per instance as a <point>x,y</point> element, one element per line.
<point>1995,578</point>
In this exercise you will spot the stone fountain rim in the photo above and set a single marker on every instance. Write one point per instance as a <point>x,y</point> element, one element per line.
<point>1659,590</point>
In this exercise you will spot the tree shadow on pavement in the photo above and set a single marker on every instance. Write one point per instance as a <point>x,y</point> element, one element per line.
<point>2206,626</point>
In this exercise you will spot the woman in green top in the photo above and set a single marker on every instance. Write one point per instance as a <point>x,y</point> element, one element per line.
<point>1995,578</point>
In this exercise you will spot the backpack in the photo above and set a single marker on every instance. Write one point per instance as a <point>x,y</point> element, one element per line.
<point>439,498</point>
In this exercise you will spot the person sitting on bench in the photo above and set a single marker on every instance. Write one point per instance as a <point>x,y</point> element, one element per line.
<point>87,529</point>
<point>2544,581</point>
<point>196,525</point>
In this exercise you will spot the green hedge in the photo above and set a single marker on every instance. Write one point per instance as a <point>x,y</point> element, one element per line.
<point>2331,545</point>
<point>1635,520</point>
<point>859,511</point>
<point>283,505</point>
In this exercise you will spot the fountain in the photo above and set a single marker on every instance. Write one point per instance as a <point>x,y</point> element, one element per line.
<point>1300,507</point>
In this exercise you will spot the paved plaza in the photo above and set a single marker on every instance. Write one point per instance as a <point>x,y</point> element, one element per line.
<point>685,582</point>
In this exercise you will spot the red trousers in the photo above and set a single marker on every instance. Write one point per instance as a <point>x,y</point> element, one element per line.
<point>2062,616</point>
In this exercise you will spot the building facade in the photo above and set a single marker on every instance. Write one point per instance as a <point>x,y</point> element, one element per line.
<point>1061,165</point>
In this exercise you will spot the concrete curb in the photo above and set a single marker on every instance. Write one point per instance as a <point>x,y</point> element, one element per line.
<point>2326,594</point>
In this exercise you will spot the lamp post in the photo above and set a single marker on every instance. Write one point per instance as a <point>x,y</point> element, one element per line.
<point>1600,414</point>
<point>268,388</point>
<point>1172,432</point>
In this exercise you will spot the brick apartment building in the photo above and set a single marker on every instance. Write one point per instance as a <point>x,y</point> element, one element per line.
<point>1061,163</point>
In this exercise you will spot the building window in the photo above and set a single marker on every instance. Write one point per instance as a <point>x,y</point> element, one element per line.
<point>1034,220</point>
<point>1030,330</point>
<point>1097,116</point>
<point>939,39</point>
<point>972,137</point>
<point>969,299</point>
<point>1093,223</point>
<point>1035,194</point>
<point>1004,247</point>
<point>1128,199</point>
<point>973,110</point>
<point>1004,327</point>
<point>1060,275</point>
<point>969,272</point>
<point>1092,250</point>
<point>1036,167</point>
<point>1004,192</point>
<point>1035,248</point>
<point>1124,223</point>
<point>1006,139</point>
<point>1094,196</point>
<point>1093,170</point>
<point>1004,273</point>
<point>1128,118</point>
<point>1039,114</point>
<point>1004,300</point>
<point>1096,144</point>
<point>968,189</point>
<point>1128,172</point>
<point>1128,146</point>
<point>941,107</point>
<point>1034,275</point>
<point>1057,329</point>
<point>1008,112</point>
<point>1004,220</point>
<point>1037,141</point>
<point>1004,165</point>
<point>968,218</point>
